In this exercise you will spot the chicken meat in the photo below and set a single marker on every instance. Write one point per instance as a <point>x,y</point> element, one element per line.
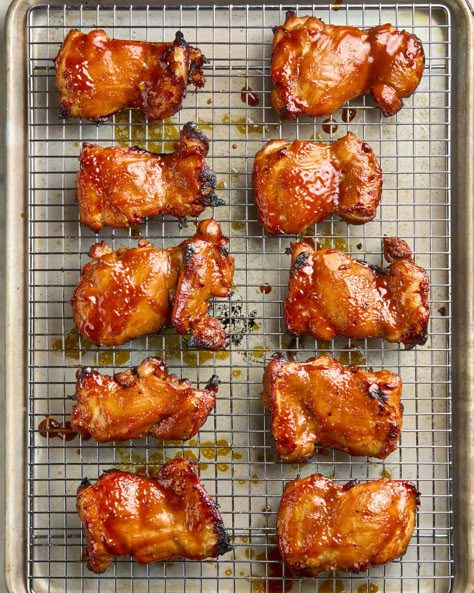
<point>97,76</point>
<point>118,186</point>
<point>317,67</point>
<point>138,402</point>
<point>133,292</point>
<point>331,294</point>
<point>324,526</point>
<point>321,402</point>
<point>151,519</point>
<point>303,183</point>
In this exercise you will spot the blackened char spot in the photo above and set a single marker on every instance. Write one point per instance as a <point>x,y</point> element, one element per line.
<point>84,484</point>
<point>189,251</point>
<point>350,485</point>
<point>223,539</point>
<point>224,251</point>
<point>63,112</point>
<point>180,40</point>
<point>213,383</point>
<point>376,393</point>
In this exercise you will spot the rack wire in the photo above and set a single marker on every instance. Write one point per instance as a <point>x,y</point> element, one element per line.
<point>235,449</point>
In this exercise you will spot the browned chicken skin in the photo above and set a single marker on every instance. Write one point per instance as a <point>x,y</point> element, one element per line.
<point>97,76</point>
<point>138,291</point>
<point>321,402</point>
<point>303,183</point>
<point>324,526</point>
<point>141,401</point>
<point>118,186</point>
<point>316,67</point>
<point>331,294</point>
<point>151,519</point>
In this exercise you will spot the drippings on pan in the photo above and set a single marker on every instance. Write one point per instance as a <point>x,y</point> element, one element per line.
<point>97,76</point>
<point>316,67</point>
<point>133,292</point>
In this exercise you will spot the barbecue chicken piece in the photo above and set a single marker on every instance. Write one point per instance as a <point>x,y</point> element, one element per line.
<point>118,186</point>
<point>152,519</point>
<point>322,402</point>
<point>324,526</point>
<point>331,294</point>
<point>138,291</point>
<point>97,76</point>
<point>303,183</point>
<point>141,401</point>
<point>316,67</point>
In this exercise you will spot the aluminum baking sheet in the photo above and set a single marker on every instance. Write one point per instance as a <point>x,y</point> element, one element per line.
<point>235,449</point>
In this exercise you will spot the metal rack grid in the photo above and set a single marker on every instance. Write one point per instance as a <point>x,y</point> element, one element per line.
<point>235,449</point>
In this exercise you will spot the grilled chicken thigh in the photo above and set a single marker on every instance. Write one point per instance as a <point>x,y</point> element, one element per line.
<point>97,76</point>
<point>316,67</point>
<point>152,519</point>
<point>324,526</point>
<point>138,291</point>
<point>118,186</point>
<point>331,294</point>
<point>141,401</point>
<point>321,402</point>
<point>303,183</point>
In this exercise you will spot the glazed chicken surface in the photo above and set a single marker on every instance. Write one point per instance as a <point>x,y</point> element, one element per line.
<point>143,401</point>
<point>330,294</point>
<point>151,519</point>
<point>321,402</point>
<point>97,76</point>
<point>324,526</point>
<point>317,67</point>
<point>303,183</point>
<point>118,186</point>
<point>133,292</point>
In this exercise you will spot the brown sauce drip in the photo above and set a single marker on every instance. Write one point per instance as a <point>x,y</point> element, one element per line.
<point>265,288</point>
<point>248,96</point>
<point>50,428</point>
<point>329,126</point>
<point>348,114</point>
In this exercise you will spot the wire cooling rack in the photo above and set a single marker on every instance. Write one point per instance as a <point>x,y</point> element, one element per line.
<point>235,449</point>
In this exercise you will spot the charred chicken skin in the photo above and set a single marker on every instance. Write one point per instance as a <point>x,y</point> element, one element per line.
<point>118,186</point>
<point>303,183</point>
<point>97,76</point>
<point>133,292</point>
<point>322,402</point>
<point>151,519</point>
<point>316,67</point>
<point>324,526</point>
<point>331,294</point>
<point>138,402</point>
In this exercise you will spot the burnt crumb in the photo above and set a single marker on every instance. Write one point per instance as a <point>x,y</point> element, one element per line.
<point>359,246</point>
<point>63,113</point>
<point>288,251</point>
<point>213,383</point>
<point>442,311</point>
<point>300,262</point>
<point>182,223</point>
<point>234,320</point>
<point>376,393</point>
<point>189,251</point>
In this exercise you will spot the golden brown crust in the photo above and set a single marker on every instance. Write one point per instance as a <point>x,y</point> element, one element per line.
<point>303,183</point>
<point>151,519</point>
<point>97,76</point>
<point>321,402</point>
<point>331,294</point>
<point>316,67</point>
<point>132,292</point>
<point>324,526</point>
<point>118,186</point>
<point>140,401</point>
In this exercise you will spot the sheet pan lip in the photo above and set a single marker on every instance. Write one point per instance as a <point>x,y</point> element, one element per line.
<point>16,384</point>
